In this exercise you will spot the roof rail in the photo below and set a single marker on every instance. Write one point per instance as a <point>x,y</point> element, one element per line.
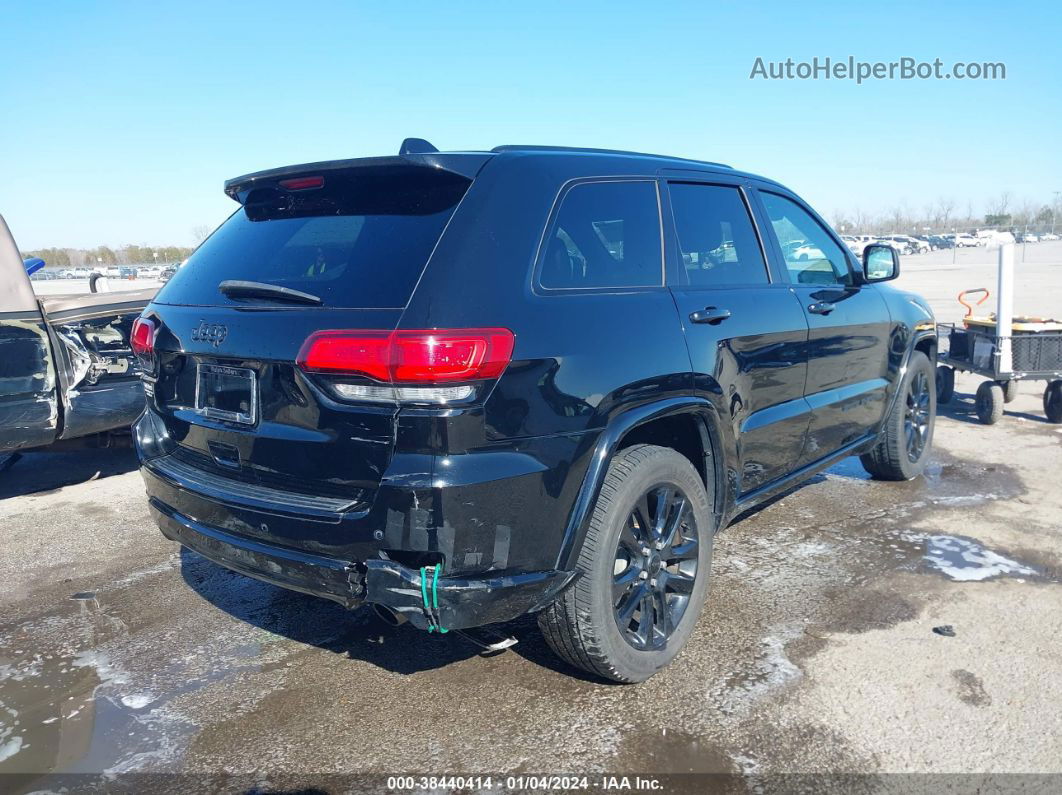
<point>536,148</point>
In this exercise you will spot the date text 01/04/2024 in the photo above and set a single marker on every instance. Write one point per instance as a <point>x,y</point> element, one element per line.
<point>523,782</point>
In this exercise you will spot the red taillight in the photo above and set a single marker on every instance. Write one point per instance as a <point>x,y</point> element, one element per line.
<point>142,338</point>
<point>410,357</point>
<point>301,183</point>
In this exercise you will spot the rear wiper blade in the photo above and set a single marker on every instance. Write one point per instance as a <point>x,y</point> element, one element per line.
<point>236,288</point>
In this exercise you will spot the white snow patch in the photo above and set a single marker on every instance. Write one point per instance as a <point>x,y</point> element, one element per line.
<point>9,745</point>
<point>770,670</point>
<point>965,560</point>
<point>158,568</point>
<point>138,701</point>
<point>10,748</point>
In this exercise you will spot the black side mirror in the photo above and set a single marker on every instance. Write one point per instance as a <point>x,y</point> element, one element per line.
<point>880,263</point>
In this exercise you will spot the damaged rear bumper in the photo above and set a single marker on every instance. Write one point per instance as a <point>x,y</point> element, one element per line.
<point>463,602</point>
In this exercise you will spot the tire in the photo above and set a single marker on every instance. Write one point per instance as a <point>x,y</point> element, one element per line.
<point>906,438</point>
<point>989,401</point>
<point>1010,390</point>
<point>1053,401</point>
<point>583,625</point>
<point>945,384</point>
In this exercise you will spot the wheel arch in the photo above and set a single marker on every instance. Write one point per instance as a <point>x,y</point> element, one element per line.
<point>662,423</point>
<point>926,342</point>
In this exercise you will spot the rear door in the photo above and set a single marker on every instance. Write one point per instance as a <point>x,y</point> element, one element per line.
<point>349,247</point>
<point>29,410</point>
<point>849,325</point>
<point>746,333</point>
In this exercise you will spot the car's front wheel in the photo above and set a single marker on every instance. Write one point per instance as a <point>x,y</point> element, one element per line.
<point>906,438</point>
<point>643,569</point>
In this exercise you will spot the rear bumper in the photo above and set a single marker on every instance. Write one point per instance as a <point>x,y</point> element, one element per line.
<point>313,574</point>
<point>495,517</point>
<point>463,602</point>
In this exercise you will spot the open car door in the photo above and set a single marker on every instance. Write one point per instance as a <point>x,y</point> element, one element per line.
<point>98,375</point>
<point>29,400</point>
<point>67,369</point>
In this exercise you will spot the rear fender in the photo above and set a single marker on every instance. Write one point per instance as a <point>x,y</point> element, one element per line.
<point>611,441</point>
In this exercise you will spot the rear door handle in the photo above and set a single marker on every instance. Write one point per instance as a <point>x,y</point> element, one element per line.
<point>710,314</point>
<point>821,308</point>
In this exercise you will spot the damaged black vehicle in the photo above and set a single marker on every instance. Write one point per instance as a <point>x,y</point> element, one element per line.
<point>68,375</point>
<point>467,386</point>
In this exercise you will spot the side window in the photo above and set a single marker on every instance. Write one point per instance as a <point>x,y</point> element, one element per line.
<point>606,234</point>
<point>811,255</point>
<point>716,237</point>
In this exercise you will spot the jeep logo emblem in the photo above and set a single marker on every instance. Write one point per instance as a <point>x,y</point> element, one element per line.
<point>214,333</point>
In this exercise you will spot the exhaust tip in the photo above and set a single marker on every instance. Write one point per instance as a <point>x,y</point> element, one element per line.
<point>388,616</point>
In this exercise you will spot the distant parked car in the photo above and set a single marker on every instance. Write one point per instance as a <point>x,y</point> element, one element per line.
<point>920,245</point>
<point>807,251</point>
<point>940,241</point>
<point>1031,238</point>
<point>967,241</point>
<point>904,244</point>
<point>856,243</point>
<point>1049,236</point>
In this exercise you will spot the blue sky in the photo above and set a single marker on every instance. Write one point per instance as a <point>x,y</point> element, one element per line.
<point>123,119</point>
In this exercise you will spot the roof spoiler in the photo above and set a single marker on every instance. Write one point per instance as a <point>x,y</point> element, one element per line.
<point>415,153</point>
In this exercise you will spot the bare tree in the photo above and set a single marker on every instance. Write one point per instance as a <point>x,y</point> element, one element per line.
<point>201,233</point>
<point>999,207</point>
<point>945,207</point>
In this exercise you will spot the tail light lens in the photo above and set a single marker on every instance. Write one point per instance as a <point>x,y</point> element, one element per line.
<point>142,338</point>
<point>413,362</point>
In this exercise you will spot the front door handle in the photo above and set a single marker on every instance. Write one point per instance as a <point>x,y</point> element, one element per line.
<point>710,314</point>
<point>821,308</point>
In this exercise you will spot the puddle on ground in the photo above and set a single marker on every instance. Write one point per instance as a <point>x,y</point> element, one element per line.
<point>968,560</point>
<point>668,751</point>
<point>74,709</point>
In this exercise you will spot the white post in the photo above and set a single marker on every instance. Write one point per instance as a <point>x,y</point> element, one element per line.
<point>1005,305</point>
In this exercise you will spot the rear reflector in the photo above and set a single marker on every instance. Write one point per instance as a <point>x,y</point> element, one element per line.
<point>142,337</point>
<point>301,183</point>
<point>410,357</point>
<point>404,394</point>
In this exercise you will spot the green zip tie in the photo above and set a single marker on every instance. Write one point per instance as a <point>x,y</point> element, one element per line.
<point>434,606</point>
<point>435,597</point>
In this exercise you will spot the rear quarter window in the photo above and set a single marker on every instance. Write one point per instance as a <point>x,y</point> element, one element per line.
<point>604,235</point>
<point>361,241</point>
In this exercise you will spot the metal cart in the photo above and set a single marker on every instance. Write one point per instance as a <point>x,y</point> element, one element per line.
<point>1002,348</point>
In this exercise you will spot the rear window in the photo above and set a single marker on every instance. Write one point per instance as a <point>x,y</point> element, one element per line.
<point>361,241</point>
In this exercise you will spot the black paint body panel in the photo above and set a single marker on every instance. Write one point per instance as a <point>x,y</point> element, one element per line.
<point>500,490</point>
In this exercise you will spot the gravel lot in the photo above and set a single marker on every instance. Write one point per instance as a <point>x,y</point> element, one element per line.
<point>816,652</point>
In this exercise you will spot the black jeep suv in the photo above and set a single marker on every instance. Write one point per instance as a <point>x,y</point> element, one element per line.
<point>467,386</point>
